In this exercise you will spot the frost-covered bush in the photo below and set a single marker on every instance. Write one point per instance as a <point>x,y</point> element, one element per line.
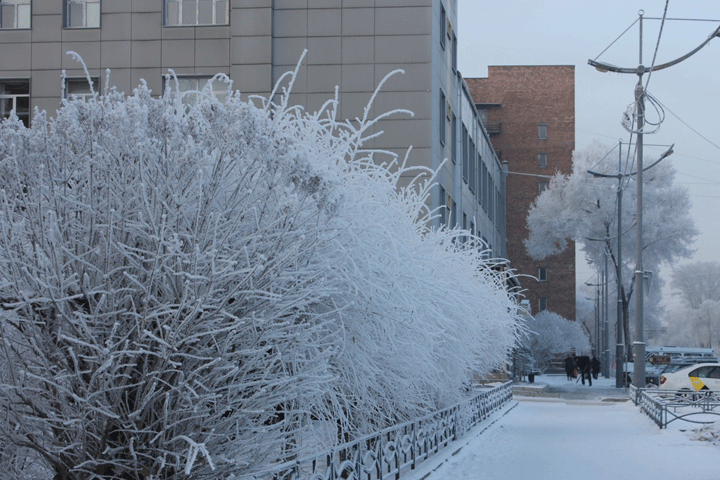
<point>550,335</point>
<point>188,290</point>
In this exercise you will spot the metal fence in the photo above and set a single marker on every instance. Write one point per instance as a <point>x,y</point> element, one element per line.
<point>666,406</point>
<point>392,452</point>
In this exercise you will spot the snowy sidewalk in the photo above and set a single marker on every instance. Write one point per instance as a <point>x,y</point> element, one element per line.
<point>571,438</point>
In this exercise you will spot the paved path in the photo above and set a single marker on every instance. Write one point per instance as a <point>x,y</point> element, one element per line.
<point>574,432</point>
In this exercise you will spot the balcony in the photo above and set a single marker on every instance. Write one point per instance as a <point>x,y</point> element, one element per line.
<point>493,128</point>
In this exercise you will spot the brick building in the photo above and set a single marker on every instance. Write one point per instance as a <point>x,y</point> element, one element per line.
<point>530,114</point>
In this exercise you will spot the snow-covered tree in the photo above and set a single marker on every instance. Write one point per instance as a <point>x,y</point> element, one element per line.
<point>695,322</point>
<point>189,289</point>
<point>584,208</point>
<point>696,282</point>
<point>550,335</point>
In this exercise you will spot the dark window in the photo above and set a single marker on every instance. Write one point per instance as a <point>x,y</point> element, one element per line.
<point>453,213</point>
<point>472,160</point>
<point>454,52</point>
<point>542,131</point>
<point>15,95</point>
<point>702,372</point>
<point>542,159</point>
<point>453,138</point>
<point>542,274</point>
<point>543,304</point>
<point>542,186</point>
<point>466,154</point>
<point>442,210</point>
<point>80,88</point>
<point>443,27</point>
<point>442,117</point>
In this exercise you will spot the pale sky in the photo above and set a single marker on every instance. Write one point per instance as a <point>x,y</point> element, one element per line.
<point>569,32</point>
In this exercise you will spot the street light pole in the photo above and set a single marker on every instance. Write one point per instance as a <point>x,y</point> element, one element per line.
<point>640,70</point>
<point>620,346</point>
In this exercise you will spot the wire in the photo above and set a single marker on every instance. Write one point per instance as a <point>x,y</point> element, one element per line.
<point>657,45</point>
<point>618,38</point>
<point>691,128</point>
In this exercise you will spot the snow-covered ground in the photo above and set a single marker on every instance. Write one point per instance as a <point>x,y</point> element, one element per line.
<point>597,438</point>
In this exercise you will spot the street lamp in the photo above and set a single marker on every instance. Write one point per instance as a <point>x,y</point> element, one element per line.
<point>619,345</point>
<point>640,70</point>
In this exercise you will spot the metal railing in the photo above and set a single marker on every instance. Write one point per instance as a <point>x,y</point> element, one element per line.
<point>396,450</point>
<point>666,406</point>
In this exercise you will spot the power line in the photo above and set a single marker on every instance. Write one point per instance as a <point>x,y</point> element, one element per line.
<point>657,46</point>
<point>618,38</point>
<point>691,128</point>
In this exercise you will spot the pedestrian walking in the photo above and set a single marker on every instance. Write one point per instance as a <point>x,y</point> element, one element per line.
<point>595,367</point>
<point>584,369</point>
<point>569,367</point>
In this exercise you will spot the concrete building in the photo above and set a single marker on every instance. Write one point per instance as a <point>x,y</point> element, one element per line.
<point>530,114</point>
<point>351,44</point>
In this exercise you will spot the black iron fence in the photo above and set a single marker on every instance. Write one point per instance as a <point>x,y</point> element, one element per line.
<point>392,452</point>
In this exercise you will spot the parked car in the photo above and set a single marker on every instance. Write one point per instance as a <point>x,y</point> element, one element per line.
<point>699,378</point>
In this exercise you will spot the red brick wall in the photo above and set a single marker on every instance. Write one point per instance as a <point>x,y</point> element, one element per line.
<point>528,96</point>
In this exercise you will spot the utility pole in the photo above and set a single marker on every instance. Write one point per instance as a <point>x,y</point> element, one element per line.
<point>606,343</point>
<point>640,70</point>
<point>620,345</point>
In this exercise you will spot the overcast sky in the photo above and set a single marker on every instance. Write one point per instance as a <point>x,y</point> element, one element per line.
<point>569,32</point>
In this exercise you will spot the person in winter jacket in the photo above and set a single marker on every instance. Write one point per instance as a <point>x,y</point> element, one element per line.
<point>570,367</point>
<point>595,366</point>
<point>584,368</point>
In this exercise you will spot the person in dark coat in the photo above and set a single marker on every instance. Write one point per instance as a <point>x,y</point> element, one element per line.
<point>569,367</point>
<point>584,368</point>
<point>595,366</point>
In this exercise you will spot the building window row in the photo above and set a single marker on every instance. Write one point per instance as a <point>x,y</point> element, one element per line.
<point>15,94</point>
<point>15,14</point>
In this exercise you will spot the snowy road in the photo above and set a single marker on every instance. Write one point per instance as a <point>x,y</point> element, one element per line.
<point>565,438</point>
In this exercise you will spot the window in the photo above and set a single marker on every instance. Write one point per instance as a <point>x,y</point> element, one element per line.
<point>542,186</point>
<point>453,212</point>
<point>472,161</point>
<point>542,274</point>
<point>14,14</point>
<point>443,209</point>
<point>192,88</point>
<point>453,138</point>
<point>542,160</point>
<point>196,12</point>
<point>82,13</point>
<point>542,131</point>
<point>454,52</point>
<point>465,154</point>
<point>442,117</point>
<point>80,88</point>
<point>15,95</point>
<point>443,27</point>
<point>543,304</point>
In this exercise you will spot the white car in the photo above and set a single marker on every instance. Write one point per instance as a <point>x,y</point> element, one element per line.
<point>700,378</point>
